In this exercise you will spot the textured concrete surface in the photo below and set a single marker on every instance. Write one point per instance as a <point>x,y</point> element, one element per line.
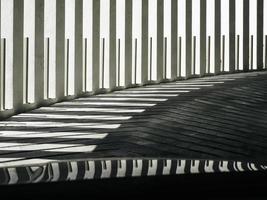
<point>214,118</point>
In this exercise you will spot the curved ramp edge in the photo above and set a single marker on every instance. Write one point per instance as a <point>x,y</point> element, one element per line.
<point>119,168</point>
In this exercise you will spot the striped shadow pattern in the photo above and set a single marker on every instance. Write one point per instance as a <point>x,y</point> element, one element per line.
<point>119,168</point>
<point>66,141</point>
<point>76,128</point>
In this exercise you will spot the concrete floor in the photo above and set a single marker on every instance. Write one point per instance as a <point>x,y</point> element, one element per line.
<point>198,125</point>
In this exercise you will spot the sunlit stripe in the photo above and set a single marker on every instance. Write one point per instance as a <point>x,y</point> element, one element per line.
<point>120,99</point>
<point>198,84</point>
<point>74,135</point>
<point>168,87</point>
<point>107,104</point>
<point>46,147</point>
<point>54,116</point>
<point>217,79</point>
<point>57,124</point>
<point>173,87</point>
<point>187,86</point>
<point>30,146</point>
<point>152,91</point>
<point>77,149</point>
<point>84,109</point>
<point>140,95</point>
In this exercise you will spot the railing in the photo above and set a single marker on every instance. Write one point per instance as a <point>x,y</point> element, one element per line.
<point>99,52</point>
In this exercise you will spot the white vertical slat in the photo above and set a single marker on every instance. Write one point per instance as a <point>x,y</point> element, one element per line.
<point>120,38</point>
<point>196,36</point>
<point>108,48</point>
<point>167,54</point>
<point>225,33</point>
<point>152,38</point>
<point>137,41</point>
<point>210,36</point>
<point>239,34</point>
<point>182,38</point>
<point>50,34</point>
<point>70,35</point>
<point>29,32</point>
<point>87,45</point>
<point>253,33</point>
<point>104,37</point>
<point>91,23</point>
<point>7,13</point>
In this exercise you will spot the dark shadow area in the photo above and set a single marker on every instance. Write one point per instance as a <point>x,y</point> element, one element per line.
<point>202,186</point>
<point>225,121</point>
